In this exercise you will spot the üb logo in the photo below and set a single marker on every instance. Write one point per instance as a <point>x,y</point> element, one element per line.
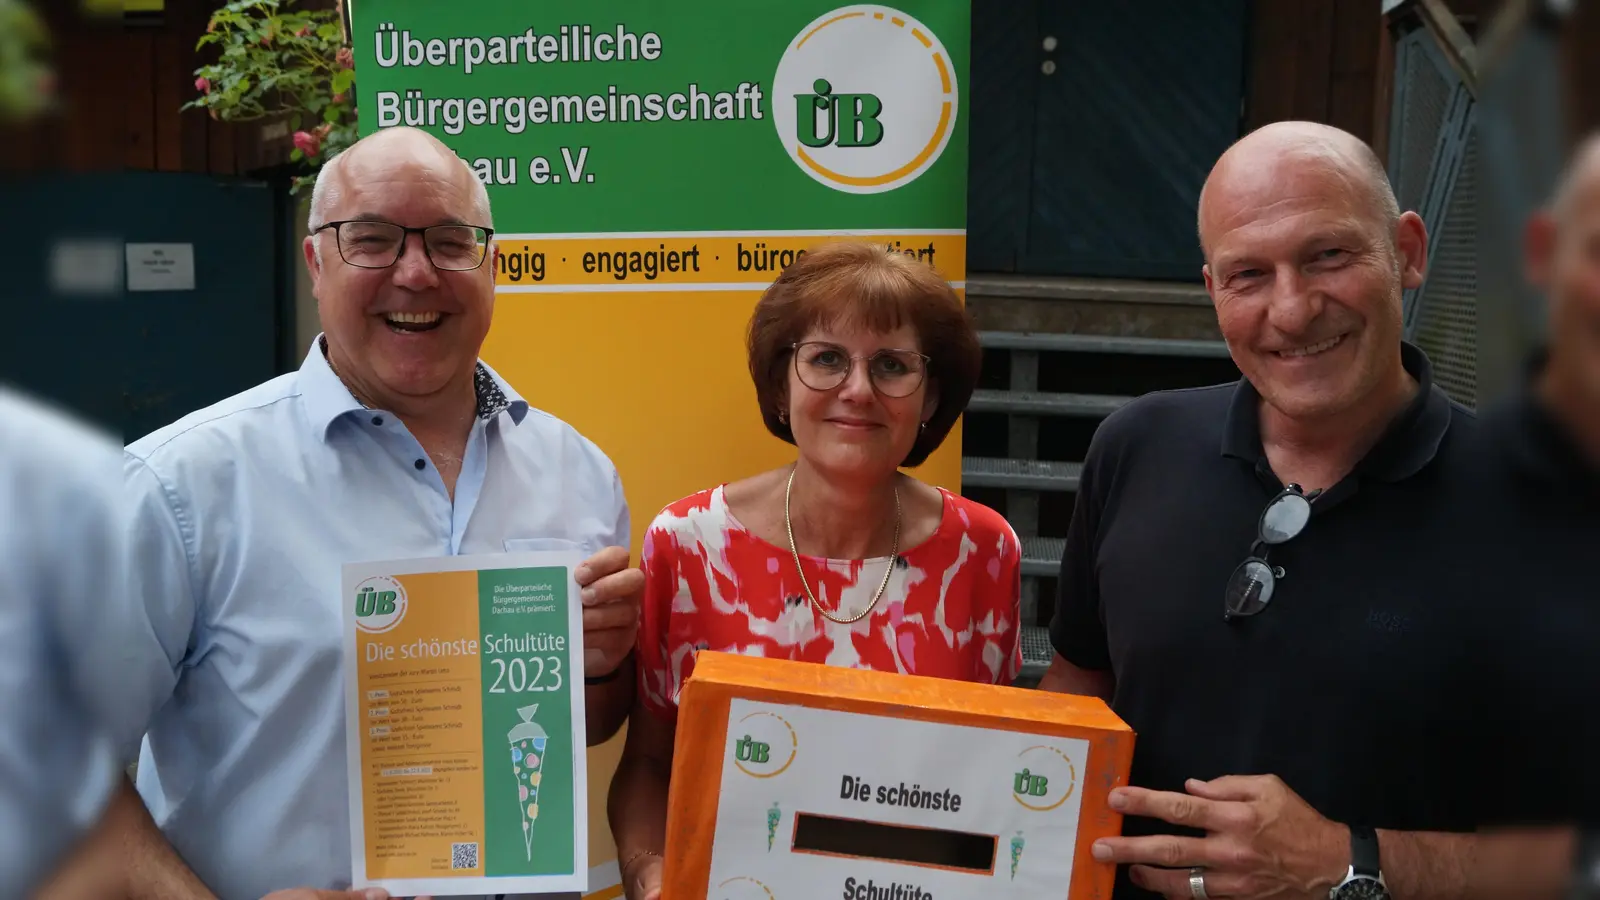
<point>746,750</point>
<point>371,602</point>
<point>1027,784</point>
<point>380,604</point>
<point>765,746</point>
<point>865,99</point>
<point>1047,779</point>
<point>847,120</point>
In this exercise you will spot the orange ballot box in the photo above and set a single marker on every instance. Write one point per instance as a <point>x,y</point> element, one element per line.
<point>796,781</point>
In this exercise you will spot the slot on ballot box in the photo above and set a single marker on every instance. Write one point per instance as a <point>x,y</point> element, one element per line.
<point>794,781</point>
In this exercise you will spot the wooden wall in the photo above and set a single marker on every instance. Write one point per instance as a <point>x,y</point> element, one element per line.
<point>1332,61</point>
<point>1319,60</point>
<point>120,86</point>
<point>1581,67</point>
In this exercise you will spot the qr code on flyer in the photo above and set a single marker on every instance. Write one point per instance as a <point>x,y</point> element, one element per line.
<point>464,856</point>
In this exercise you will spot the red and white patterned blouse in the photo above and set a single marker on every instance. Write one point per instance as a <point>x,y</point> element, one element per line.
<point>950,610</point>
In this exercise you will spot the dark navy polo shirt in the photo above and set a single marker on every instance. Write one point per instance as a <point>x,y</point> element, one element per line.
<point>1356,684</point>
<point>1539,501</point>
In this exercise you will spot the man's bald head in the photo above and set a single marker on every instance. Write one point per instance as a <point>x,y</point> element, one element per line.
<point>1263,155</point>
<point>392,147</point>
<point>1579,183</point>
<point>1559,246</point>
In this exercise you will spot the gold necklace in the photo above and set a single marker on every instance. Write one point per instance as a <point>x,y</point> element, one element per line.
<point>894,556</point>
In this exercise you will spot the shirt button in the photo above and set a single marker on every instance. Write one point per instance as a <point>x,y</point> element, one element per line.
<point>420,464</point>
<point>377,420</point>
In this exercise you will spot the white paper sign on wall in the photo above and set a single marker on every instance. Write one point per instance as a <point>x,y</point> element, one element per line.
<point>160,267</point>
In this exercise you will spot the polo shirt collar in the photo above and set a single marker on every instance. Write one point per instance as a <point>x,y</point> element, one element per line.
<point>1408,444</point>
<point>327,399</point>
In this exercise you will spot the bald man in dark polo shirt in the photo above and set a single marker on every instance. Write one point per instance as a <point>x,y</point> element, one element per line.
<point>1253,574</point>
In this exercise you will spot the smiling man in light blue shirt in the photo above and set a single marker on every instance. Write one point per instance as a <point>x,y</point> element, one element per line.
<point>392,440</point>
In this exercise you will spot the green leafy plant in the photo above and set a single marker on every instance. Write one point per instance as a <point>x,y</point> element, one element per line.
<point>27,84</point>
<point>280,62</point>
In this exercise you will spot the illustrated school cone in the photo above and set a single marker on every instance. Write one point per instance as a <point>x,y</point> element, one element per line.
<point>527,761</point>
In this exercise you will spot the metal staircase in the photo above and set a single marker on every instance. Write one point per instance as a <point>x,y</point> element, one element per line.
<point>1044,392</point>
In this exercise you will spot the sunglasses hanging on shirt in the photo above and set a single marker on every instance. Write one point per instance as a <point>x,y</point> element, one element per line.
<point>1253,582</point>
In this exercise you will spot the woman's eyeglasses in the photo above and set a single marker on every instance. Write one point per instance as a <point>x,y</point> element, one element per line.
<point>894,373</point>
<point>1253,581</point>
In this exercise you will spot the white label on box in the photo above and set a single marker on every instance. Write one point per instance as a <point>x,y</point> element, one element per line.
<point>160,267</point>
<point>817,803</point>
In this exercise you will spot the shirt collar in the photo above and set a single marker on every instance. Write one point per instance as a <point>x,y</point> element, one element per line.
<point>1408,444</point>
<point>326,397</point>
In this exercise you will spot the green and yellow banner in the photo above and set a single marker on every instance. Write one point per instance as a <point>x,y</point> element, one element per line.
<point>652,166</point>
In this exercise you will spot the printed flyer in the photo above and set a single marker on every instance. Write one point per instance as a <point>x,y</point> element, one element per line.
<point>937,810</point>
<point>465,725</point>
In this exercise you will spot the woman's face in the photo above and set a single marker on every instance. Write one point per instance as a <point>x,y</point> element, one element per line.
<point>841,420</point>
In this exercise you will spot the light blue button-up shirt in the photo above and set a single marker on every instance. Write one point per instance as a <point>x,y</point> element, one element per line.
<point>59,559</point>
<point>241,517</point>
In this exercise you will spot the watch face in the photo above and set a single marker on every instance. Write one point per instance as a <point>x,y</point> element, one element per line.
<point>1360,888</point>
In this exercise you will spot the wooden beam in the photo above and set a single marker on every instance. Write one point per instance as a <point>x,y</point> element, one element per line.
<point>1383,93</point>
<point>187,20</point>
<point>1354,66</point>
<point>1272,63</point>
<point>140,88</point>
<point>1580,35</point>
<point>1458,46</point>
<point>168,83</point>
<point>1314,67</point>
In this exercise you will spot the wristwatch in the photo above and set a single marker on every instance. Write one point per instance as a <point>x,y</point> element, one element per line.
<point>1364,880</point>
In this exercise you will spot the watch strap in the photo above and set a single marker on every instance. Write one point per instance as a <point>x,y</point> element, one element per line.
<point>1364,851</point>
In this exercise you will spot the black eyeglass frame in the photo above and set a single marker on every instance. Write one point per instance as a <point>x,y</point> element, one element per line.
<point>406,232</point>
<point>1259,560</point>
<point>922,374</point>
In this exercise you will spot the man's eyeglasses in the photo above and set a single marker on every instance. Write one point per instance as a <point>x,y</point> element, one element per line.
<point>1251,586</point>
<point>894,373</point>
<point>378,245</point>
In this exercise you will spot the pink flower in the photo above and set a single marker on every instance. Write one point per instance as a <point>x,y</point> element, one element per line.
<point>346,58</point>
<point>202,85</point>
<point>303,31</point>
<point>307,143</point>
<point>338,98</point>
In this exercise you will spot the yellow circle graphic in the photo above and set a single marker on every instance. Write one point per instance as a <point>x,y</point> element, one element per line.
<point>794,747</point>
<point>924,92</point>
<point>1072,780</point>
<point>745,878</point>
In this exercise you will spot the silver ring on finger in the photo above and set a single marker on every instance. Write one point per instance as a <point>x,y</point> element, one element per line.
<point>1197,884</point>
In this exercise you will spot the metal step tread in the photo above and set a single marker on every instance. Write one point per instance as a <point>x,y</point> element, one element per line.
<point>1101,343</point>
<point>1115,290</point>
<point>1037,652</point>
<point>1041,556</point>
<point>1041,403</point>
<point>1027,474</point>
